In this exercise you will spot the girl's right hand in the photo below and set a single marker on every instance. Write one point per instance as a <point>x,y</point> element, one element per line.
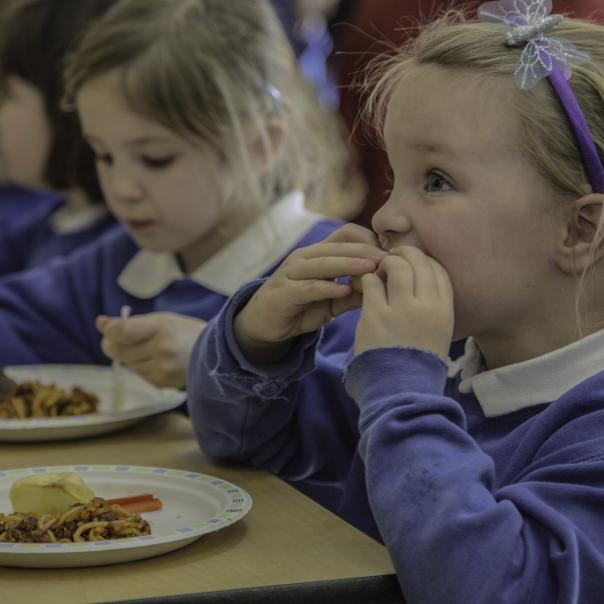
<point>302,294</point>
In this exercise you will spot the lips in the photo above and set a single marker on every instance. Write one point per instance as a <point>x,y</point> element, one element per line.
<point>140,224</point>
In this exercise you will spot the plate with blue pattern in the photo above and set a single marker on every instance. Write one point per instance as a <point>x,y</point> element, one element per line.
<point>141,399</point>
<point>193,505</point>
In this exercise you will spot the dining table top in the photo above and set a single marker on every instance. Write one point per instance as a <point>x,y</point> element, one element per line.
<point>287,544</point>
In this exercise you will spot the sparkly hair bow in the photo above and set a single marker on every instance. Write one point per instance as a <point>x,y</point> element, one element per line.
<point>529,21</point>
<point>547,57</point>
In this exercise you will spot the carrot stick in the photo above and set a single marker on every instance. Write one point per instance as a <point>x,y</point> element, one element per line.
<point>132,499</point>
<point>139,507</point>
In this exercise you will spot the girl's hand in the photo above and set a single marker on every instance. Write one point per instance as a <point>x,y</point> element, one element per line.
<point>302,294</point>
<point>157,345</point>
<point>409,303</point>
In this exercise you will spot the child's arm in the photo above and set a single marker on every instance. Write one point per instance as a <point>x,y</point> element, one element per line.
<point>47,314</point>
<point>459,528</point>
<point>267,414</point>
<point>270,416</point>
<point>303,294</point>
<point>461,524</point>
<point>12,256</point>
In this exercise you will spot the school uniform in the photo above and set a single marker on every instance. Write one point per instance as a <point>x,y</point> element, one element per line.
<point>47,315</point>
<point>487,486</point>
<point>20,206</point>
<point>37,226</point>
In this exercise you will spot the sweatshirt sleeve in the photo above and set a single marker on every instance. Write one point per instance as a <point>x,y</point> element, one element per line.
<point>293,419</point>
<point>24,218</point>
<point>47,314</point>
<point>456,532</point>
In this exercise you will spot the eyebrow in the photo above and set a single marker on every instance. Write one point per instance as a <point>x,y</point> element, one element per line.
<point>147,140</point>
<point>434,148</point>
<point>143,140</point>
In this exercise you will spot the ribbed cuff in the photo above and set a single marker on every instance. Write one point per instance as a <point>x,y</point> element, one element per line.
<point>298,361</point>
<point>382,372</point>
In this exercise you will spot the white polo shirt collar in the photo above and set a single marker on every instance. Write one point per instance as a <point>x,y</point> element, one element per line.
<point>533,382</point>
<point>66,221</point>
<point>246,257</point>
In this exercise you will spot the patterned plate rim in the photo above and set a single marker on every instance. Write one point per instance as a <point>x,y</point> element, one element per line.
<point>238,505</point>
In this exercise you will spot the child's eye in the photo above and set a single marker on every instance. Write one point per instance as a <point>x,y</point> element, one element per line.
<point>437,183</point>
<point>157,163</point>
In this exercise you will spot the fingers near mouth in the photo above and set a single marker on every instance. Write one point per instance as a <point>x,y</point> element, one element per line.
<point>356,284</point>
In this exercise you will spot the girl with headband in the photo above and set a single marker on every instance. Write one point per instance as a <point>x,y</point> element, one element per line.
<point>484,478</point>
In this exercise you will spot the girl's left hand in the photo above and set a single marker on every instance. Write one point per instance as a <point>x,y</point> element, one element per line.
<point>408,303</point>
<point>156,345</point>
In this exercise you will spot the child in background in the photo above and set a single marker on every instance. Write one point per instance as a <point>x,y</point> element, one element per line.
<point>207,149</point>
<point>50,202</point>
<point>486,480</point>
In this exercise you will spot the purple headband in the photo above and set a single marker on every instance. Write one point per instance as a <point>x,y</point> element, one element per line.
<point>551,58</point>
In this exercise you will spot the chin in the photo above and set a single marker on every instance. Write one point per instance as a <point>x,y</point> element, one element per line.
<point>147,243</point>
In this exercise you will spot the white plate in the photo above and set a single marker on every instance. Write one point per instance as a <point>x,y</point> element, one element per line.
<point>141,399</point>
<point>193,505</point>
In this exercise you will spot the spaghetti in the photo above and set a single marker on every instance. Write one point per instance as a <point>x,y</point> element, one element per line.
<point>93,521</point>
<point>32,399</point>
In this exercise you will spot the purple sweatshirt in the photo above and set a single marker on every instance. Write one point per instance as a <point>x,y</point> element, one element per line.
<point>31,232</point>
<point>47,314</point>
<point>486,486</point>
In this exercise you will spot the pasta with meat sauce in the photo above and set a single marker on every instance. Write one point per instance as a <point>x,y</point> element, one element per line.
<point>32,399</point>
<point>94,521</point>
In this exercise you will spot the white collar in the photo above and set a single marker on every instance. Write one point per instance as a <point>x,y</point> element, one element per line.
<point>246,257</point>
<point>533,382</point>
<point>66,220</point>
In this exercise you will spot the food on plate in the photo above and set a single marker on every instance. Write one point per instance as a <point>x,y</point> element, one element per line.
<point>32,399</point>
<point>92,521</point>
<point>7,386</point>
<point>138,503</point>
<point>52,493</point>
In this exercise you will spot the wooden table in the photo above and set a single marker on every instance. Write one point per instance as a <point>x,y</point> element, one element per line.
<point>286,540</point>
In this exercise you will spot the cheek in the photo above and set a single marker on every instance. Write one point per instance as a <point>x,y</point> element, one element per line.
<point>199,203</point>
<point>24,120</point>
<point>25,143</point>
<point>13,131</point>
<point>106,188</point>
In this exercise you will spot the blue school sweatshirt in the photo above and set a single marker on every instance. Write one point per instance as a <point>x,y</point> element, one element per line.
<point>486,486</point>
<point>35,227</point>
<point>17,204</point>
<point>47,314</point>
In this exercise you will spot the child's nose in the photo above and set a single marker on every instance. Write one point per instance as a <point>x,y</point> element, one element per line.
<point>126,188</point>
<point>389,220</point>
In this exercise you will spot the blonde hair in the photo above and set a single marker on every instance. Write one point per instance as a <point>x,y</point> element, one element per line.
<point>545,134</point>
<point>215,73</point>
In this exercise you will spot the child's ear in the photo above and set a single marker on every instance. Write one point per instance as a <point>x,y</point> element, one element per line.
<point>582,242</point>
<point>265,155</point>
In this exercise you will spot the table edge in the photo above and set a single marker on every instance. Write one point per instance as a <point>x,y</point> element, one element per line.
<point>378,589</point>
